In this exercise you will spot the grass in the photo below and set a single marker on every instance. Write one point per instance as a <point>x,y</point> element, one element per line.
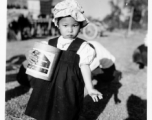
<point>132,88</point>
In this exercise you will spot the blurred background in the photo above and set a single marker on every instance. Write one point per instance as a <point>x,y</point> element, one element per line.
<point>107,15</point>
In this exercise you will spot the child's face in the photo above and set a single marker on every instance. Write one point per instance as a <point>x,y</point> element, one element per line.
<point>69,27</point>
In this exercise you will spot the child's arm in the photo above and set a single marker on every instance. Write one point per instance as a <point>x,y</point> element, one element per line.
<point>86,73</point>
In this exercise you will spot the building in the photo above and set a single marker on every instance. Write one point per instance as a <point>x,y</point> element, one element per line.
<point>35,7</point>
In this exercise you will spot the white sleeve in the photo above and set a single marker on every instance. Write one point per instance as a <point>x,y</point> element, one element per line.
<point>101,54</point>
<point>86,53</point>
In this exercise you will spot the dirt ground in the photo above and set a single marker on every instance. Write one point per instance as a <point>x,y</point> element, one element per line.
<point>125,99</point>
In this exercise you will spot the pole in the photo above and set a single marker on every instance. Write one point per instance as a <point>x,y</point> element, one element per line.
<point>130,22</point>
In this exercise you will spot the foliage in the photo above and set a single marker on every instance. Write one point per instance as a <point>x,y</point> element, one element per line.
<point>140,18</point>
<point>113,19</point>
<point>140,12</point>
<point>136,3</point>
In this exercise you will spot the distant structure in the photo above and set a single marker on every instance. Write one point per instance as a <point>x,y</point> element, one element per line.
<point>35,7</point>
<point>41,6</point>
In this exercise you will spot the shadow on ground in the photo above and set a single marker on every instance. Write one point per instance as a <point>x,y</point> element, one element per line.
<point>17,91</point>
<point>10,78</point>
<point>108,84</point>
<point>137,108</point>
<point>14,62</point>
<point>14,65</point>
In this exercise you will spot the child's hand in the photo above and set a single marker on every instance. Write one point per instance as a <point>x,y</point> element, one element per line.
<point>31,58</point>
<point>95,94</point>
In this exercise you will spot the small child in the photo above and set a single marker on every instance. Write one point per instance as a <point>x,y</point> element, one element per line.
<point>61,98</point>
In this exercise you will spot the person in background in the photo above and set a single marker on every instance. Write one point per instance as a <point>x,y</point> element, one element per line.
<point>140,54</point>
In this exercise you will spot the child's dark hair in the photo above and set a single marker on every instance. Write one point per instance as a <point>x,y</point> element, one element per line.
<point>81,25</point>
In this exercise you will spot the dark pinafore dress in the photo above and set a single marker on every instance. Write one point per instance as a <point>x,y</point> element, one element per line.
<point>61,98</point>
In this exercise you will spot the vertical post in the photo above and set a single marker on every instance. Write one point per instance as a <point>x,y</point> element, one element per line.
<point>130,21</point>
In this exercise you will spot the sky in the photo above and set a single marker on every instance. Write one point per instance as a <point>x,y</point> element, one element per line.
<point>95,8</point>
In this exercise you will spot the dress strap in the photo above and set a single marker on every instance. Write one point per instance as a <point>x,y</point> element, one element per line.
<point>75,45</point>
<point>53,41</point>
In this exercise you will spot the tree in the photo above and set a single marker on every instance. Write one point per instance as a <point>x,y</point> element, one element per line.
<point>139,11</point>
<point>113,19</point>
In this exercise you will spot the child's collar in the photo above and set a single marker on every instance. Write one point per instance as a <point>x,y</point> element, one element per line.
<point>62,41</point>
<point>61,37</point>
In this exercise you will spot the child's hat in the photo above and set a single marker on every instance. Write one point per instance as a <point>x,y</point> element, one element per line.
<point>72,8</point>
